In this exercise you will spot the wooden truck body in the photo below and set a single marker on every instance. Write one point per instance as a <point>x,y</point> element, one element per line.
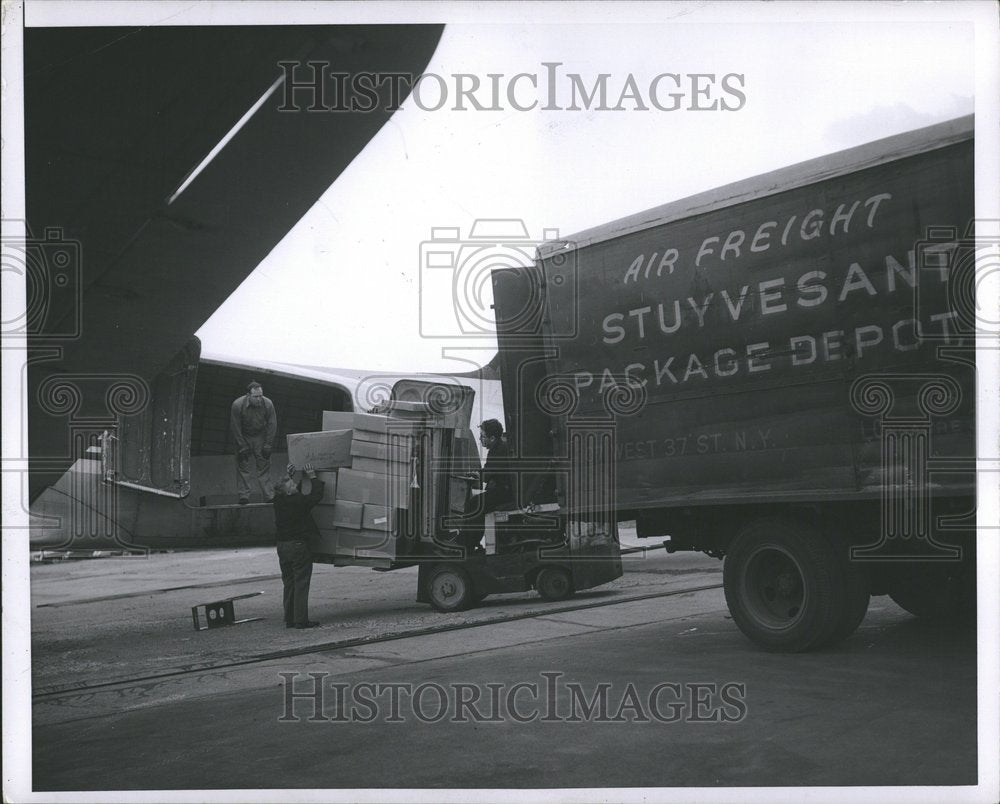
<point>788,368</point>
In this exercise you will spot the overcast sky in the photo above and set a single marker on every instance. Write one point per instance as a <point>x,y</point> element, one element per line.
<point>343,288</point>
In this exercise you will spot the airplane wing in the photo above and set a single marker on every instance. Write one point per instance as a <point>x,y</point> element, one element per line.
<point>120,272</point>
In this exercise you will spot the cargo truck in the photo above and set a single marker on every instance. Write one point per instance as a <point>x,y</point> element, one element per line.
<point>786,366</point>
<point>779,373</point>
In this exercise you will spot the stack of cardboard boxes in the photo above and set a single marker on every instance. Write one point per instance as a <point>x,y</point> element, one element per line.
<point>366,462</point>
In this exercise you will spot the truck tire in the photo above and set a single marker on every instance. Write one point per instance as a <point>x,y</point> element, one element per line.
<point>554,583</point>
<point>449,589</point>
<point>855,587</point>
<point>934,594</point>
<point>784,586</point>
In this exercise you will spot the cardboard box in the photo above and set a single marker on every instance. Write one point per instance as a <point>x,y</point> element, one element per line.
<point>375,423</point>
<point>399,451</point>
<point>338,420</point>
<point>358,543</point>
<point>395,440</point>
<point>342,514</point>
<point>371,487</point>
<point>382,467</point>
<point>365,543</point>
<point>347,514</point>
<point>369,421</point>
<point>408,415</point>
<point>328,449</point>
<point>378,517</point>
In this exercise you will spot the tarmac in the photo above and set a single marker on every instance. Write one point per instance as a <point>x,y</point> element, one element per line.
<point>121,618</point>
<point>128,696</point>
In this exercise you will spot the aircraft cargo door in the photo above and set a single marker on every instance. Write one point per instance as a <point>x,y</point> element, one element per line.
<point>151,450</point>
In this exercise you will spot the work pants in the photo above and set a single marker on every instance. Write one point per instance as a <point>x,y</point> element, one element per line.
<point>295,561</point>
<point>471,529</point>
<point>262,468</point>
<point>481,521</point>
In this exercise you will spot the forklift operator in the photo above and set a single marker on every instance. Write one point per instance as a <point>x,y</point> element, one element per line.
<point>497,485</point>
<point>498,488</point>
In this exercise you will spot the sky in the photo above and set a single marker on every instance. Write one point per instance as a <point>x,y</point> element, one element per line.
<point>810,87</point>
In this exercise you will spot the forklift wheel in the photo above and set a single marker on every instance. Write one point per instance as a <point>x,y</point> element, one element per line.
<point>554,583</point>
<point>450,589</point>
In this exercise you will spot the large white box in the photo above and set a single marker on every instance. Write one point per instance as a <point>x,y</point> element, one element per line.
<point>328,449</point>
<point>378,517</point>
<point>391,491</point>
<point>342,514</point>
<point>351,544</point>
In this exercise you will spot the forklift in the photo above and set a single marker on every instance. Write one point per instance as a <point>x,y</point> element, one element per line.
<point>425,500</point>
<point>539,545</point>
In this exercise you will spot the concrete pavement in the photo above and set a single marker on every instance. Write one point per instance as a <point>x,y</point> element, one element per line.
<point>127,617</point>
<point>894,705</point>
<point>175,709</point>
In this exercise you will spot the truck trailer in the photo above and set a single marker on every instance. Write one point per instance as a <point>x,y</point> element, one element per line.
<point>786,366</point>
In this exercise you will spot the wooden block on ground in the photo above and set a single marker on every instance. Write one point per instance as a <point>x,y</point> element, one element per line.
<point>328,449</point>
<point>381,467</point>
<point>378,517</point>
<point>371,487</point>
<point>342,514</point>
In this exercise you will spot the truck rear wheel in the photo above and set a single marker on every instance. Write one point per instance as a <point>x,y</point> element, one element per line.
<point>934,594</point>
<point>855,588</point>
<point>783,586</point>
<point>449,589</point>
<point>554,583</point>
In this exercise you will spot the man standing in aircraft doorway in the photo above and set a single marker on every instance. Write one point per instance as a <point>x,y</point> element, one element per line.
<point>254,424</point>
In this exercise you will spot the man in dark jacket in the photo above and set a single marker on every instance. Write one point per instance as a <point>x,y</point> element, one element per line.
<point>294,525</point>
<point>498,486</point>
<point>254,425</point>
<point>497,483</point>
